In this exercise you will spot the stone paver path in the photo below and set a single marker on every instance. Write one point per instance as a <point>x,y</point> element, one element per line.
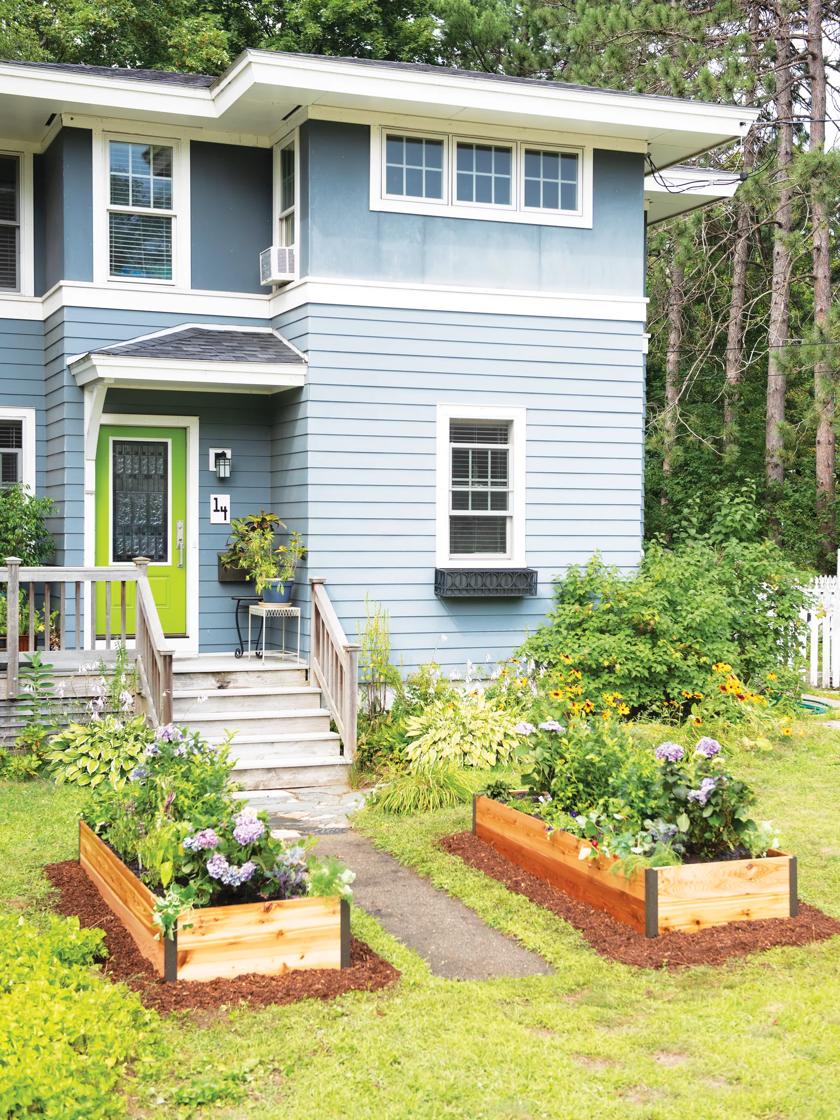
<point>306,812</point>
<point>451,938</point>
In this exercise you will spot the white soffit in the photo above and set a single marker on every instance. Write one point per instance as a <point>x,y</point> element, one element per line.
<point>681,189</point>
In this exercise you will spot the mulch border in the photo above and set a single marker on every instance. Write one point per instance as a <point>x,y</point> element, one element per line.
<point>618,942</point>
<point>77,896</point>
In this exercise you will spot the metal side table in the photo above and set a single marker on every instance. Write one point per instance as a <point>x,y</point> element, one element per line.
<point>265,612</point>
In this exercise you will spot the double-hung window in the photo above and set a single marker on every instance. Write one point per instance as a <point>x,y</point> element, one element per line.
<point>141,214</point>
<point>480,486</point>
<point>10,223</point>
<point>17,447</point>
<point>286,214</point>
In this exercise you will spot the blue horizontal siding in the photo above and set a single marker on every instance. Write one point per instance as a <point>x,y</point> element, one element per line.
<point>22,377</point>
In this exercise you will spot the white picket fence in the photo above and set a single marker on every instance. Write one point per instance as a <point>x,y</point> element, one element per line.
<point>822,644</point>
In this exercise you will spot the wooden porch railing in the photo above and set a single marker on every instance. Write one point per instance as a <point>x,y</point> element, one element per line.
<point>335,664</point>
<point>69,619</point>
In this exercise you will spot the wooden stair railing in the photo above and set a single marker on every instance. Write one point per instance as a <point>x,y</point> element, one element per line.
<point>72,592</point>
<point>335,664</point>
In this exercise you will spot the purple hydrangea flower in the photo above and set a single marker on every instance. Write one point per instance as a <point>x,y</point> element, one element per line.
<point>249,828</point>
<point>138,774</point>
<point>669,752</point>
<point>702,795</point>
<point>169,733</point>
<point>217,866</point>
<point>524,728</point>
<point>552,725</point>
<point>708,747</point>
<point>152,750</point>
<point>203,841</point>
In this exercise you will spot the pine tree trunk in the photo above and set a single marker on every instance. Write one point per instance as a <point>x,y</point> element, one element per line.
<point>824,388</point>
<point>780,282</point>
<point>672,371</point>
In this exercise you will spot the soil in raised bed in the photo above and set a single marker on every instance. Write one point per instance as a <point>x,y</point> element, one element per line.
<point>76,895</point>
<point>619,942</point>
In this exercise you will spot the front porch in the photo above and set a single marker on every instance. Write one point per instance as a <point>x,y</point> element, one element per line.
<point>292,721</point>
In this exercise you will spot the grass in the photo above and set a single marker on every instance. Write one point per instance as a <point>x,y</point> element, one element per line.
<point>758,1039</point>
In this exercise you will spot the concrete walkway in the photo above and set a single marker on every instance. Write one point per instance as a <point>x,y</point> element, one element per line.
<point>451,938</point>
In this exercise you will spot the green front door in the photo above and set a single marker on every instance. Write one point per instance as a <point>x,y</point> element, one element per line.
<point>141,510</point>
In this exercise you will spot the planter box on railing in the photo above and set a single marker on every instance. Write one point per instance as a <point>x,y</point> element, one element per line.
<point>653,900</point>
<point>221,941</point>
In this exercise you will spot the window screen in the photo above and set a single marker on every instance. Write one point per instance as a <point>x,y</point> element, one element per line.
<point>9,223</point>
<point>480,487</point>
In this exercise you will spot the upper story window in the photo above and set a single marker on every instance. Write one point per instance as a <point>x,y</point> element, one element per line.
<point>413,167</point>
<point>10,223</point>
<point>286,216</point>
<point>484,174</point>
<point>481,485</point>
<point>551,179</point>
<point>140,210</point>
<point>493,178</point>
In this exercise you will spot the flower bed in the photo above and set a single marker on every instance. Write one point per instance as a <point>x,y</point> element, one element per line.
<point>220,941</point>
<point>199,882</point>
<point>651,900</point>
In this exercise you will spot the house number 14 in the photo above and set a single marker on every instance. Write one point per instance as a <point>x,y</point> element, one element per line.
<point>220,509</point>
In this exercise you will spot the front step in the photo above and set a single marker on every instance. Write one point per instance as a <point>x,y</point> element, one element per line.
<point>193,703</point>
<point>214,726</point>
<point>296,772</point>
<point>212,674</point>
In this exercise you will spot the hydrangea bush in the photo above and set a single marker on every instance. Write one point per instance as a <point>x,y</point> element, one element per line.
<point>664,805</point>
<point>176,820</point>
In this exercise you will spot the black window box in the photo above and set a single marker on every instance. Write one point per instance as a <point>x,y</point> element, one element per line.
<point>485,583</point>
<point>229,575</point>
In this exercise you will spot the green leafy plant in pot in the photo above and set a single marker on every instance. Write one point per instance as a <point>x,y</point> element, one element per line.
<point>271,567</point>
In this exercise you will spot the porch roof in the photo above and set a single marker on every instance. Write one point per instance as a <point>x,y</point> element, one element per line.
<point>196,356</point>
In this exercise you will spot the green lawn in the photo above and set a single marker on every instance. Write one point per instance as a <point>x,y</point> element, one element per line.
<point>756,1040</point>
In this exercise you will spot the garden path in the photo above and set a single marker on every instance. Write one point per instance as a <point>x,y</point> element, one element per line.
<point>453,940</point>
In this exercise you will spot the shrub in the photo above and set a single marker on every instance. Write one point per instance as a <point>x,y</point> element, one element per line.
<point>420,791</point>
<point>107,749</point>
<point>23,526</point>
<point>654,635</point>
<point>66,1035</point>
<point>466,730</point>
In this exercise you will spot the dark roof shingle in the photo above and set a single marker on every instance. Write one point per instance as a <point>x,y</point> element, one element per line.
<point>195,81</point>
<point>214,344</point>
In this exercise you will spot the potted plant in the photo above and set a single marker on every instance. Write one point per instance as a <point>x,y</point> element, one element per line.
<point>252,550</point>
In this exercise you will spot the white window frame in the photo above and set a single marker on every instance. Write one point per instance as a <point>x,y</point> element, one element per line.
<point>291,138</point>
<point>517,418</point>
<point>27,456</point>
<point>556,149</point>
<point>25,225</point>
<point>483,207</point>
<point>180,212</point>
<point>441,137</point>
<point>517,212</point>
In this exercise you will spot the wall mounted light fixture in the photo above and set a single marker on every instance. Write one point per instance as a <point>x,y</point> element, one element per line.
<point>220,461</point>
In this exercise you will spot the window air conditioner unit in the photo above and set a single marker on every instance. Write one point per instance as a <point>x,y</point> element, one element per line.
<point>277,264</point>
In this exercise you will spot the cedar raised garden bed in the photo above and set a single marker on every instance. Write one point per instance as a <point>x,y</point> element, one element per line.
<point>219,942</point>
<point>652,900</point>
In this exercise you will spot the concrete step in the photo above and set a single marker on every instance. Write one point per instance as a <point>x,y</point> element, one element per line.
<point>213,726</point>
<point>195,703</point>
<point>297,772</point>
<point>208,674</point>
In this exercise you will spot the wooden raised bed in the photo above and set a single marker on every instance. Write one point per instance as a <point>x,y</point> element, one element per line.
<point>221,941</point>
<point>652,900</point>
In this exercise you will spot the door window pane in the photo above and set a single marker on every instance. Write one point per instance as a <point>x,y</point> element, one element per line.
<point>140,500</point>
<point>484,174</point>
<point>414,167</point>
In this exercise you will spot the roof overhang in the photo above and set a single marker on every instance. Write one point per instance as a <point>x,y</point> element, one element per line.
<point>262,88</point>
<point>682,189</point>
<point>186,374</point>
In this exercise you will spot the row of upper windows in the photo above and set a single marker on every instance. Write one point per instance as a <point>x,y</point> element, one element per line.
<point>470,172</point>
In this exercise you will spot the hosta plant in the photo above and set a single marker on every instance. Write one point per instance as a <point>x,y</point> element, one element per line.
<point>467,729</point>
<point>104,750</point>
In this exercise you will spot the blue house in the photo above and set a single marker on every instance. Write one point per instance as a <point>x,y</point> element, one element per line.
<point>402,306</point>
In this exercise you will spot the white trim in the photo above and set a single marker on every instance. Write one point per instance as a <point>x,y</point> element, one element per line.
<point>184,374</point>
<point>450,207</point>
<point>190,423</point>
<point>518,467</point>
<point>25,223</point>
<point>290,139</point>
<point>180,213</point>
<point>117,296</point>
<point>27,457</point>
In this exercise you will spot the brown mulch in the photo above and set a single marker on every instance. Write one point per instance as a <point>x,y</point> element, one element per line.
<point>616,941</point>
<point>76,895</point>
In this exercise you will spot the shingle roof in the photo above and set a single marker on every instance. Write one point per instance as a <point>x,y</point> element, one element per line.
<point>196,81</point>
<point>221,344</point>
